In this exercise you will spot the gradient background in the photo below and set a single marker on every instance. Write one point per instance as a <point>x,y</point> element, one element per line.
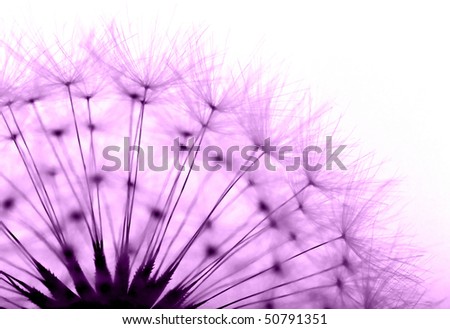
<point>385,66</point>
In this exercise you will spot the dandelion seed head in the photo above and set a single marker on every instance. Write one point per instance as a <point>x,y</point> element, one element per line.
<point>143,236</point>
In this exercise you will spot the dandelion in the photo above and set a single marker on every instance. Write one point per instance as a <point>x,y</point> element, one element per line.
<point>220,230</point>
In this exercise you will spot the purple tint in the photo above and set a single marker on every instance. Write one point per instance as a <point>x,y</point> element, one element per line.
<point>76,236</point>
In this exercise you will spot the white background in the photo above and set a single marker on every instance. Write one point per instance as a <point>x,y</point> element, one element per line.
<point>386,65</point>
<point>111,319</point>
